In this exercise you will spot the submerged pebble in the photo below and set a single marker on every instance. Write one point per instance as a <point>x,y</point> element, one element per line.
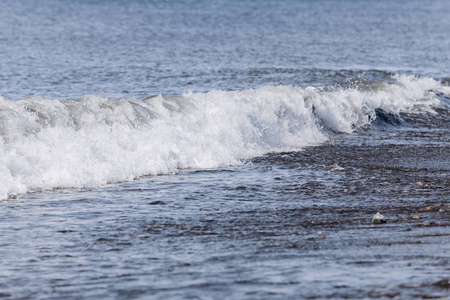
<point>444,283</point>
<point>428,208</point>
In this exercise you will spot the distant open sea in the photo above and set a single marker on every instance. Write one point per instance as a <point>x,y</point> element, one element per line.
<point>186,149</point>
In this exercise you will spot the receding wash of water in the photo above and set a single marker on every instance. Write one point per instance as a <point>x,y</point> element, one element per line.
<point>224,149</point>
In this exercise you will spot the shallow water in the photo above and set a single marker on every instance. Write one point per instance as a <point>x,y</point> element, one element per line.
<point>277,131</point>
<point>285,226</point>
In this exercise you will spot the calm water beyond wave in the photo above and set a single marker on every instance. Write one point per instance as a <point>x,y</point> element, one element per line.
<point>224,149</point>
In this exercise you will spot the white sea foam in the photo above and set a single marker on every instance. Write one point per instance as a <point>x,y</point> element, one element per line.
<point>47,144</point>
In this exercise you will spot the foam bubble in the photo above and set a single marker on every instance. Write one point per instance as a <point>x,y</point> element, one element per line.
<point>47,144</point>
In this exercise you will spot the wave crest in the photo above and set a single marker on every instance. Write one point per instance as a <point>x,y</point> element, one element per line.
<point>93,141</point>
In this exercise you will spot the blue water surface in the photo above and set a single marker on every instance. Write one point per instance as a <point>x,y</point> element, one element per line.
<point>67,49</point>
<point>283,226</point>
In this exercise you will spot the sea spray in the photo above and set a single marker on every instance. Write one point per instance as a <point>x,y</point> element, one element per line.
<point>47,143</point>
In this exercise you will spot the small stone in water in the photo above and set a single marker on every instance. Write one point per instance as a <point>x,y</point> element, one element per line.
<point>416,217</point>
<point>378,218</point>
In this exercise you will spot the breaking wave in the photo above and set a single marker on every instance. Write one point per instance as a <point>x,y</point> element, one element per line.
<point>93,141</point>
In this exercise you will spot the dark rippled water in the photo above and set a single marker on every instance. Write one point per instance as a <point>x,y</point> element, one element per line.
<point>306,118</point>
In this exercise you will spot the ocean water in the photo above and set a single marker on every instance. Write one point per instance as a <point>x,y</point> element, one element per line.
<point>194,149</point>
